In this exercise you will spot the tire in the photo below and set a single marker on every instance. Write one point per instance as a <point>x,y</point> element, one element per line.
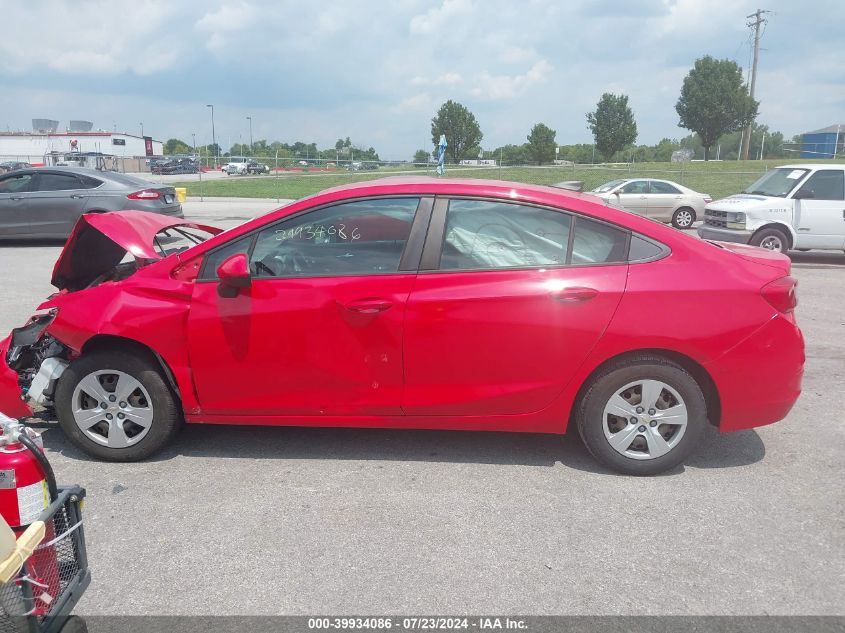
<point>646,446</point>
<point>683,218</point>
<point>133,389</point>
<point>772,239</point>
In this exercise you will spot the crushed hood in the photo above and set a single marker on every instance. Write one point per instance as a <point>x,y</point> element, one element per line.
<point>100,241</point>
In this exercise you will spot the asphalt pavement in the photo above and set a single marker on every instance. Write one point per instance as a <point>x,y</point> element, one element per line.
<point>240,520</point>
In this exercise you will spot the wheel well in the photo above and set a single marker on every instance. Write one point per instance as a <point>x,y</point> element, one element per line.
<point>777,227</point>
<point>696,370</point>
<point>131,346</point>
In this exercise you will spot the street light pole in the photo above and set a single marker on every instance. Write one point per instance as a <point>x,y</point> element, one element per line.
<point>142,129</point>
<point>251,147</point>
<point>213,137</point>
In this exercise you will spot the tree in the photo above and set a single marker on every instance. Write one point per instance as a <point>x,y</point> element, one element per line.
<point>461,129</point>
<point>541,144</point>
<point>176,146</point>
<point>421,156</point>
<point>612,124</point>
<point>714,101</point>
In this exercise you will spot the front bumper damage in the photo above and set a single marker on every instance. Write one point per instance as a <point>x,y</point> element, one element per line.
<point>32,362</point>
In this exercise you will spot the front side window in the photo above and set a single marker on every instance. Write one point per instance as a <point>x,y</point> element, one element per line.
<point>636,186</point>
<point>57,182</point>
<point>355,238</point>
<point>15,184</point>
<point>663,187</point>
<point>826,184</point>
<point>483,234</point>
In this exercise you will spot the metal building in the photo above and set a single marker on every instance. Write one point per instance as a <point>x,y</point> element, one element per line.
<point>824,143</point>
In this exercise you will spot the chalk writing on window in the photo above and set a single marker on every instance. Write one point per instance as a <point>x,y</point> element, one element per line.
<point>319,232</point>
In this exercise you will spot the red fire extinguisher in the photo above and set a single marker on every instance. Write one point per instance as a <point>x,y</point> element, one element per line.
<point>27,487</point>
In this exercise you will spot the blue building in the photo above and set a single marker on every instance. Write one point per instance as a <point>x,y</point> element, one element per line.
<point>823,143</point>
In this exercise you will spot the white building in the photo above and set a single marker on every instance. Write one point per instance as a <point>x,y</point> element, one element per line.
<point>33,147</point>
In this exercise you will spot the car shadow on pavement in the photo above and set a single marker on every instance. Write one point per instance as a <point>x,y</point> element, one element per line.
<point>31,243</point>
<point>817,258</point>
<point>717,450</point>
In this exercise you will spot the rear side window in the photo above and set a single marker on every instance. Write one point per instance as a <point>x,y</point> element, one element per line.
<point>57,182</point>
<point>826,184</point>
<point>90,183</point>
<point>663,187</point>
<point>598,243</point>
<point>482,234</point>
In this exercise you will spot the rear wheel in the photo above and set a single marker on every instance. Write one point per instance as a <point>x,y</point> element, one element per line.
<point>116,406</point>
<point>642,416</point>
<point>772,239</point>
<point>683,218</point>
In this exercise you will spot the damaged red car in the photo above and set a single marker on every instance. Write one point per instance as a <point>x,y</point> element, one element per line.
<point>411,303</point>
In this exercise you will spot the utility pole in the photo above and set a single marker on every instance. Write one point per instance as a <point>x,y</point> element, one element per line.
<point>213,137</point>
<point>759,20</point>
<point>251,146</point>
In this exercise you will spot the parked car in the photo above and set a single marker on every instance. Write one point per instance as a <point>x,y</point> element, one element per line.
<point>254,167</point>
<point>44,202</point>
<point>175,166</point>
<point>794,206</point>
<point>13,165</point>
<point>412,303</point>
<point>661,200</point>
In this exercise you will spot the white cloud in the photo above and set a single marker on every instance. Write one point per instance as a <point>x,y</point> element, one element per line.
<point>517,54</point>
<point>420,101</point>
<point>439,18</point>
<point>495,87</point>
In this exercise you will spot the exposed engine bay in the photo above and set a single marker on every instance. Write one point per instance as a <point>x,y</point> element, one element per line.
<point>38,358</point>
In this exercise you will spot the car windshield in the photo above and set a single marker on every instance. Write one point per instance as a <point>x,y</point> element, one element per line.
<point>179,238</point>
<point>777,182</point>
<point>608,186</point>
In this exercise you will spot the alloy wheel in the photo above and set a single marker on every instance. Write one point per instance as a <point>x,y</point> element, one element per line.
<point>112,408</point>
<point>645,419</point>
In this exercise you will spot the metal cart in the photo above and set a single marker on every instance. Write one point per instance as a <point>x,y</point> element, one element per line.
<point>40,597</point>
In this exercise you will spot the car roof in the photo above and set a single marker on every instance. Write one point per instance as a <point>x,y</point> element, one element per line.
<point>811,166</point>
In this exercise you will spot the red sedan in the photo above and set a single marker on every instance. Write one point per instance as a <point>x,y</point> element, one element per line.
<point>411,303</point>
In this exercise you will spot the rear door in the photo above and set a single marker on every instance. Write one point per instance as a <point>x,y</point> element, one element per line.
<point>509,301</point>
<point>14,197</point>
<point>57,201</point>
<point>820,218</point>
<point>663,199</point>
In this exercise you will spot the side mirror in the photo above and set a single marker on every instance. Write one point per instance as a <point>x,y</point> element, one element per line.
<point>803,194</point>
<point>234,271</point>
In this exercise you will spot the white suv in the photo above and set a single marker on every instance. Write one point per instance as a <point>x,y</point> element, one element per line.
<point>235,166</point>
<point>790,207</point>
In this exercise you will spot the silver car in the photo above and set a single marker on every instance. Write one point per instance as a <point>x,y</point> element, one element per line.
<point>661,200</point>
<point>45,202</point>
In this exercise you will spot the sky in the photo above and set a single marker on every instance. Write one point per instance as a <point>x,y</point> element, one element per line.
<point>377,71</point>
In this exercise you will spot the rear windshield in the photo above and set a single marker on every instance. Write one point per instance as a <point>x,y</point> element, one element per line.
<point>123,179</point>
<point>777,182</point>
<point>179,238</point>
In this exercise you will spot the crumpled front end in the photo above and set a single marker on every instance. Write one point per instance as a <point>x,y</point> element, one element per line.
<point>32,362</point>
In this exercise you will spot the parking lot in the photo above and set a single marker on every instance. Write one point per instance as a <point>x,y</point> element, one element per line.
<point>241,520</point>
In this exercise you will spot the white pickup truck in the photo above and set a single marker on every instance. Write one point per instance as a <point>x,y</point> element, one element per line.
<point>790,207</point>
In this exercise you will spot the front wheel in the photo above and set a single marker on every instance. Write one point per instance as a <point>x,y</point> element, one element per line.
<point>642,416</point>
<point>771,239</point>
<point>116,406</point>
<point>683,218</point>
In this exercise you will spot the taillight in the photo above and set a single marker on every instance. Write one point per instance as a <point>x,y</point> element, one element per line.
<point>145,194</point>
<point>781,294</point>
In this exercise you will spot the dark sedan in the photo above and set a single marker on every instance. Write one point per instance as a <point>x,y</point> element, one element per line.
<point>13,165</point>
<point>46,202</point>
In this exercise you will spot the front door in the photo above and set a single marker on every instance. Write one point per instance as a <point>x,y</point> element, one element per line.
<point>509,313</point>
<point>820,218</point>
<point>14,197</point>
<point>633,196</point>
<point>319,331</point>
<point>55,204</point>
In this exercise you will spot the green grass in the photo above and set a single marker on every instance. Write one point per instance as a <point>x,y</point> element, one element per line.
<point>719,179</point>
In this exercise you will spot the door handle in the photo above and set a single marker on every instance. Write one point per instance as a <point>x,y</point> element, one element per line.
<point>76,195</point>
<point>574,295</point>
<point>17,197</point>
<point>368,306</point>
